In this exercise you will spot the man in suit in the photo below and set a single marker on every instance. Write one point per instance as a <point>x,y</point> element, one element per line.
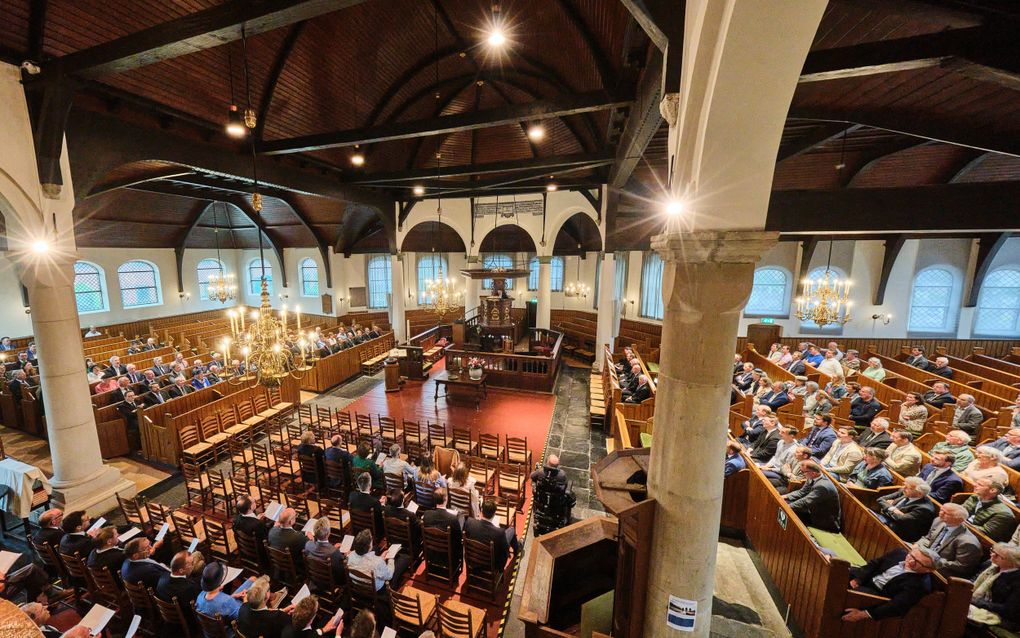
<point>632,383</point>
<point>734,461</point>
<point>967,416</point>
<point>820,436</point>
<point>183,580</point>
<point>394,508</point>
<point>877,434</point>
<point>374,332</point>
<point>939,395</point>
<point>1009,445</point>
<point>442,518</point>
<point>40,615</point>
<point>777,397</point>
<point>487,530</point>
<point>75,537</point>
<point>361,499</point>
<point>958,551</point>
<point>115,369</point>
<point>255,618</point>
<point>844,455</point>
<point>939,474</point>
<point>308,448</point>
<point>5,344</point>
<point>917,358</point>
<point>180,388</point>
<point>250,523</point>
<point>49,531</point>
<point>864,407</point>
<point>150,344</point>
<point>552,462</point>
<point>754,426</point>
<point>337,453</point>
<point>941,367</point>
<point>107,554</point>
<point>907,511</point>
<point>987,513</point>
<point>744,378</point>
<point>283,536</point>
<point>1001,596</point>
<point>798,367</point>
<point>901,576</point>
<point>133,375</point>
<point>158,368</point>
<point>127,409</point>
<point>213,374</point>
<point>817,502</point>
<point>139,566</point>
<point>155,396</point>
<point>642,392</point>
<point>17,386</point>
<point>764,447</point>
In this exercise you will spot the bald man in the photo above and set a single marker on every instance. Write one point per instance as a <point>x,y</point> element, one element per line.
<point>284,536</point>
<point>551,463</point>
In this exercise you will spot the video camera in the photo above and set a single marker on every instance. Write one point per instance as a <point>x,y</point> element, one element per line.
<point>553,500</point>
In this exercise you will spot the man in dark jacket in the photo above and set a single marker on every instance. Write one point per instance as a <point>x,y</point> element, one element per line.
<point>75,538</point>
<point>864,408</point>
<point>641,392</point>
<point>252,524</point>
<point>255,618</point>
<point>362,500</point>
<point>486,530</point>
<point>1002,596</point>
<point>107,554</point>
<point>817,502</point>
<point>900,576</point>
<point>285,537</point>
<point>394,508</point>
<point>940,475</point>
<point>139,567</point>
<point>183,580</point>
<point>908,512</point>
<point>442,518</point>
<point>764,447</point>
<point>939,395</point>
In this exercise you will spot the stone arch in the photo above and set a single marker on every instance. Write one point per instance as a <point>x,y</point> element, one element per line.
<point>590,234</point>
<point>448,240</point>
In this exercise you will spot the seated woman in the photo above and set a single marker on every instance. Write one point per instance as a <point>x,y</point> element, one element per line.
<point>871,472</point>
<point>95,374</point>
<point>913,413</point>
<point>462,480</point>
<point>986,464</point>
<point>213,600</point>
<point>107,385</point>
<point>363,462</point>
<point>996,597</point>
<point>874,370</point>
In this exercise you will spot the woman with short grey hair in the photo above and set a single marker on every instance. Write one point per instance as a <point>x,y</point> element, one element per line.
<point>996,597</point>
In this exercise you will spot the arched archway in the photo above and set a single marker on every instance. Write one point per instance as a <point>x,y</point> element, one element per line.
<point>508,238</point>
<point>432,236</point>
<point>577,235</point>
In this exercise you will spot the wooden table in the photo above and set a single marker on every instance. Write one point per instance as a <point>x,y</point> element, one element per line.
<point>15,623</point>
<point>463,381</point>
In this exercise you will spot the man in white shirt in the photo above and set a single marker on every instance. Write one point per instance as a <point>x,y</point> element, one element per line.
<point>364,560</point>
<point>830,366</point>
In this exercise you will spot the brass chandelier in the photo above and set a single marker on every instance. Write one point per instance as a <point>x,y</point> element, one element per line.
<point>222,287</point>
<point>440,295</point>
<point>825,300</point>
<point>576,288</point>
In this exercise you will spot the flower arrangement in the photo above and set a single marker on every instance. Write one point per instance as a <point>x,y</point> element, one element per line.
<point>474,363</point>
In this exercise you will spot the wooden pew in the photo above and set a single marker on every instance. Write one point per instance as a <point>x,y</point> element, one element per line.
<point>336,368</point>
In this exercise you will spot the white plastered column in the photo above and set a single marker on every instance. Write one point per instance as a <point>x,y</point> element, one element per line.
<point>397,296</point>
<point>472,287</point>
<point>607,307</point>
<point>544,313</point>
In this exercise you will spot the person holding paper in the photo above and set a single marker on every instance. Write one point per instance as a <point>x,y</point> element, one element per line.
<point>183,580</point>
<point>284,536</point>
<point>364,560</point>
<point>486,530</point>
<point>442,518</point>
<point>309,449</point>
<point>213,600</point>
<point>30,576</point>
<point>139,567</point>
<point>49,531</point>
<point>337,453</point>
<point>394,508</point>
<point>255,618</point>
<point>363,462</point>
<point>320,547</point>
<point>396,465</point>
<point>362,500</point>
<point>304,615</point>
<point>107,553</point>
<point>250,523</point>
<point>76,539</point>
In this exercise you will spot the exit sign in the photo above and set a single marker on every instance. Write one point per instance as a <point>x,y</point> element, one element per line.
<point>768,321</point>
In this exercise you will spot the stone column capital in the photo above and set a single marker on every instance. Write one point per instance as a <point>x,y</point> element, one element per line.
<point>545,259</point>
<point>473,259</point>
<point>712,246</point>
<point>669,108</point>
<point>50,270</point>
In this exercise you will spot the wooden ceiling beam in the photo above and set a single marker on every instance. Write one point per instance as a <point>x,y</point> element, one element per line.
<point>539,110</point>
<point>642,124</point>
<point>607,75</point>
<point>989,245</point>
<point>507,166</point>
<point>893,246</point>
<point>197,211</point>
<point>821,134</point>
<point>873,155</point>
<point>320,241</point>
<point>983,207</point>
<point>242,204</point>
<point>269,88</point>
<point>188,34</point>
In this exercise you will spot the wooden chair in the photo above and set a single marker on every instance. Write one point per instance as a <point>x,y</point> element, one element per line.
<point>361,590</point>
<point>459,620</point>
<point>395,481</point>
<point>339,520</point>
<point>196,486</point>
<point>185,527</point>
<point>248,554</point>
<point>437,435</point>
<point>209,428</point>
<point>233,428</point>
<point>517,451</point>
<point>221,494</point>
<point>242,458</point>
<point>193,450</point>
<point>324,418</point>
<point>305,415</point>
<point>284,569</point>
<point>107,589</point>
<point>143,604</point>
<point>489,447</point>
<point>460,499</point>
<point>323,580</point>
<point>338,480</point>
<point>399,531</point>
<point>483,574</point>
<point>364,426</point>
<point>512,483</point>
<point>414,610</point>
<point>220,541</point>
<point>293,435</point>
<point>424,493</point>
<point>484,472</point>
<point>309,467</point>
<point>388,431</point>
<point>363,519</point>
<point>247,417</point>
<point>261,462</point>
<point>507,511</point>
<point>211,626</point>
<point>276,402</point>
<point>78,574</point>
<point>345,424</point>
<point>172,613</point>
<point>442,560</point>
<point>415,442</point>
<point>157,513</point>
<point>463,441</point>
<point>51,561</point>
<point>132,511</point>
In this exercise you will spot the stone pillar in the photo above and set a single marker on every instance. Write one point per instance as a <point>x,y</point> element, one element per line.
<point>472,287</point>
<point>544,315</point>
<point>604,331</point>
<point>80,479</point>
<point>706,281</point>
<point>397,297</point>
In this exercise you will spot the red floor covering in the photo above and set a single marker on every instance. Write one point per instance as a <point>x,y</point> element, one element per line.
<point>513,412</point>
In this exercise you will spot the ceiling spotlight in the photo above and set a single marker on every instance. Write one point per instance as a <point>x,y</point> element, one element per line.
<point>40,247</point>
<point>235,123</point>
<point>496,37</point>
<point>536,132</point>
<point>674,207</point>
<point>419,190</point>
<point>551,187</point>
<point>358,159</point>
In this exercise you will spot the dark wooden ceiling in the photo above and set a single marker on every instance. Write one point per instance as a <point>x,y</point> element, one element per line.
<point>895,95</point>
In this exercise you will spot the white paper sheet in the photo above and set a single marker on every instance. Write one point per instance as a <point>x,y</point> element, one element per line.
<point>133,627</point>
<point>193,546</point>
<point>7,560</point>
<point>301,594</point>
<point>412,507</point>
<point>97,619</point>
<point>388,633</point>
<point>232,573</point>
<point>307,529</point>
<point>128,535</point>
<point>162,531</point>
<point>273,510</point>
<point>379,459</point>
<point>99,523</point>
<point>346,543</point>
<point>393,550</point>
<point>496,520</point>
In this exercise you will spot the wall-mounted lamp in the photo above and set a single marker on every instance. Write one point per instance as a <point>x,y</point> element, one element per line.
<point>284,297</point>
<point>184,296</point>
<point>884,317</point>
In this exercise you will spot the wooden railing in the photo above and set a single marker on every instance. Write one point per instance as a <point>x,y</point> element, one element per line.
<point>336,368</point>
<point>510,370</point>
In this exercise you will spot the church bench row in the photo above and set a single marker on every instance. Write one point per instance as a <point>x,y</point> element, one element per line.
<point>26,416</point>
<point>892,347</point>
<point>1009,363</point>
<point>972,366</point>
<point>816,586</point>
<point>334,369</point>
<point>635,414</point>
<point>963,378</point>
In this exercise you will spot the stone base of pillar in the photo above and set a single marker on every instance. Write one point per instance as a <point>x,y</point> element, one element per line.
<point>96,494</point>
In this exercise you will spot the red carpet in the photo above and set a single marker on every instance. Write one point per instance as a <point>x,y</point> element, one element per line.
<point>513,412</point>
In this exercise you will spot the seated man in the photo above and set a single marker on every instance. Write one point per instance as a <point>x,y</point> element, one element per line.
<point>337,453</point>
<point>551,463</point>
<point>394,508</point>
<point>754,426</point>
<point>864,407</point>
<point>870,473</point>
<point>642,392</point>
<point>967,416</point>
<point>908,512</point>
<point>777,397</point>
<point>785,449</point>
<point>941,367</point>
<point>442,518</point>
<point>40,615</point>
<point>901,576</point>
<point>957,443</point>
<point>631,384</point>
<point>384,570</point>
<point>904,457</point>
<point>764,447</point>
<point>107,554</point>
<point>997,590</point>
<point>393,464</point>
<point>734,461</point>
<point>814,356</point>
<point>987,513</point>
<point>940,475</point>
<point>361,500</point>
<point>180,388</point>
<point>283,536</point>
<point>139,566</point>
<point>183,580</point>
<point>76,539</point>
<point>1009,445</point>
<point>958,551</point>
<point>255,618</point>
<point>817,502</point>
<point>877,434</point>
<point>939,395</point>
<point>917,358</point>
<point>49,531</point>
<point>844,455</point>
<point>320,547</point>
<point>251,523</point>
<point>820,436</point>
<point>485,529</point>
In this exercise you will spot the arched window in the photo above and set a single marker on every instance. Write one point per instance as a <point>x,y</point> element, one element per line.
<point>89,288</point>
<point>255,270</point>
<point>651,286</point>
<point>380,281</point>
<point>139,284</point>
<point>208,268</point>
<point>533,266</point>
<point>431,266</point>
<point>309,275</point>
<point>499,260</point>
<point>998,310</point>
<point>930,301</point>
<point>555,274</point>
<point>769,293</point>
<point>832,328</point>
